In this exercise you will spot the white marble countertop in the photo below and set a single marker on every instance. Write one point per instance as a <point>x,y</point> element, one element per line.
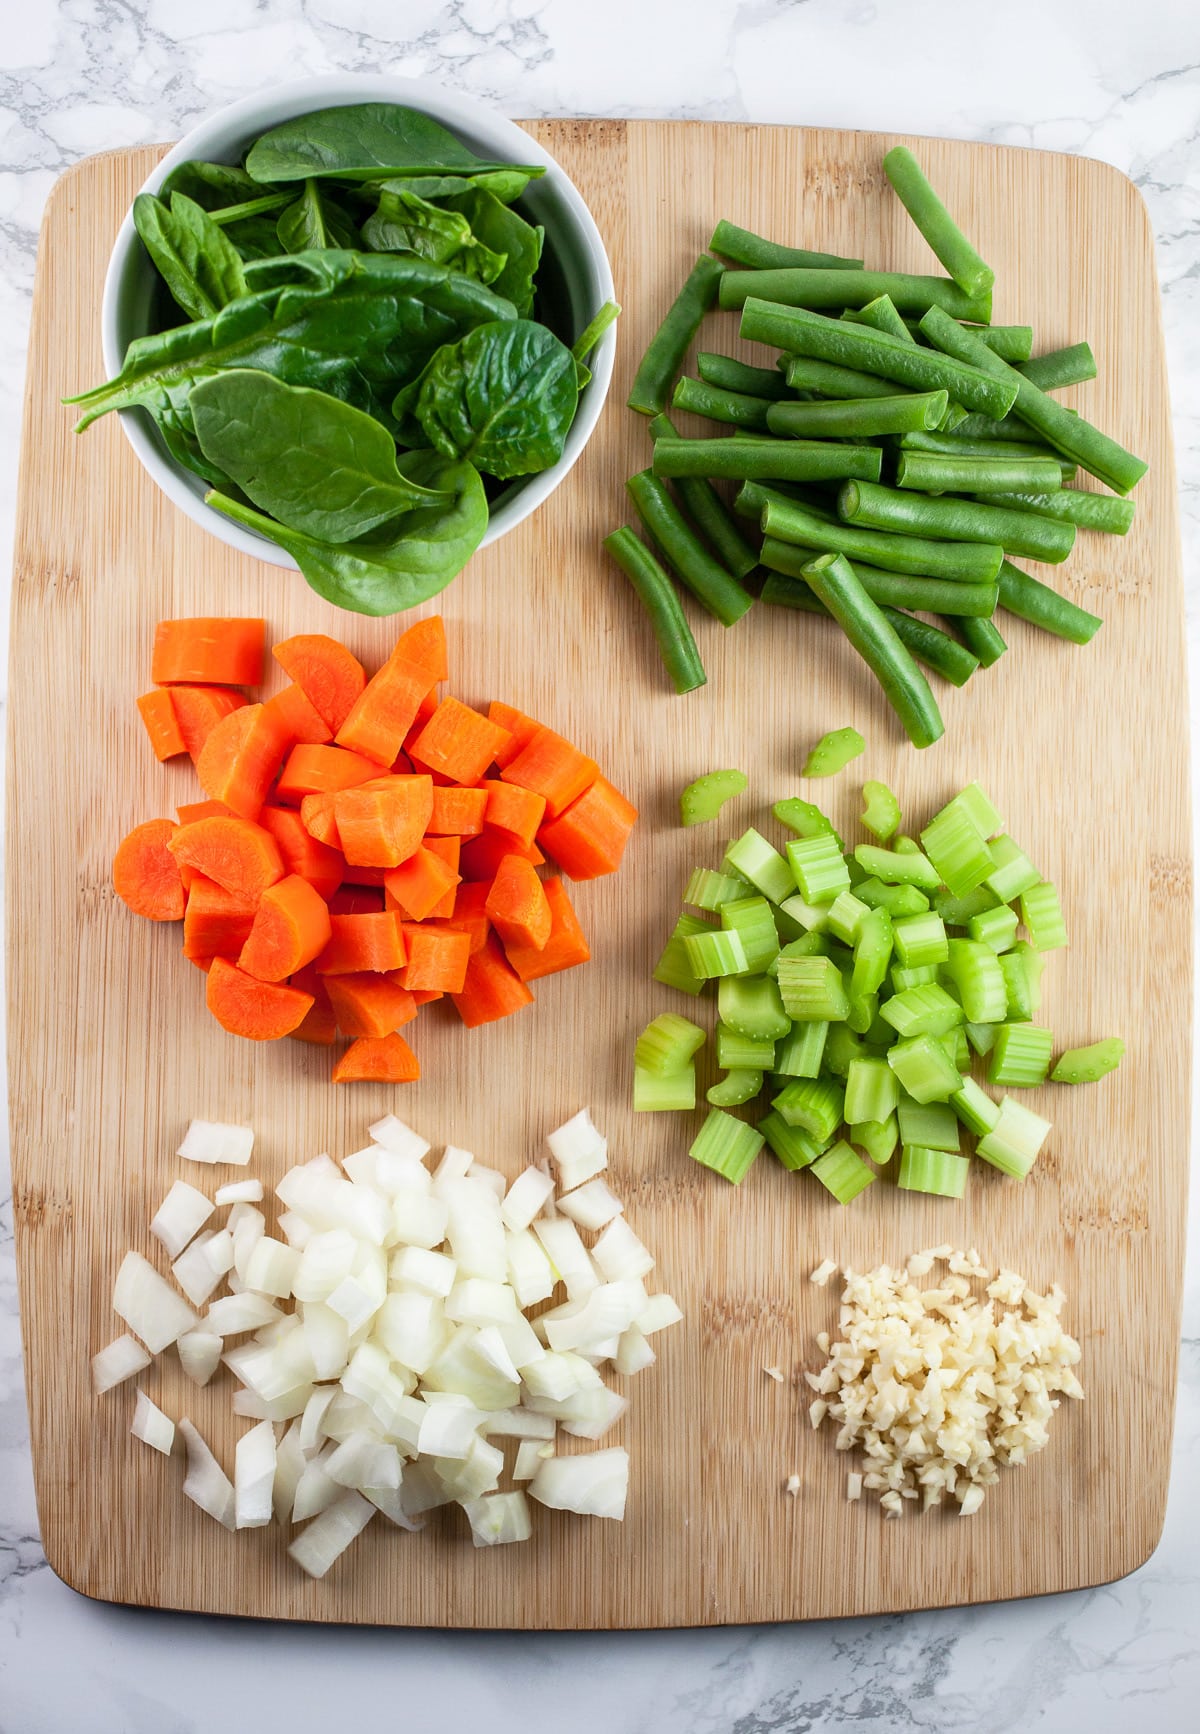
<point>1108,80</point>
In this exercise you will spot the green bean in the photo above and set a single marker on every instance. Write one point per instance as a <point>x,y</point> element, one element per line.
<point>1009,427</point>
<point>799,287</point>
<point>956,445</point>
<point>935,223</point>
<point>731,375</point>
<point>965,562</point>
<point>667,348</point>
<point>832,578</point>
<point>935,474</point>
<point>859,417</point>
<point>708,511</point>
<point>1079,439</point>
<point>882,315</point>
<point>729,406</point>
<point>765,459</point>
<point>858,346</point>
<point>805,373</point>
<point>1058,367</point>
<point>753,497</point>
<point>658,598</point>
<point>981,638</point>
<point>709,582</point>
<point>1107,512</point>
<point>1009,342</point>
<point>928,644</point>
<point>746,248</point>
<point>1029,599</point>
<point>897,589</point>
<point>879,508</point>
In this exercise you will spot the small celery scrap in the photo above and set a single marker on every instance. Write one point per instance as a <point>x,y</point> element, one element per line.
<point>833,752</point>
<point>703,799</point>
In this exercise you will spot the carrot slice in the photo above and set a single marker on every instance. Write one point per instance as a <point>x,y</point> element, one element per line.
<point>382,826</point>
<point>522,728</point>
<point>425,642</point>
<point>458,812</point>
<point>291,927</point>
<point>588,838</point>
<point>319,1027</point>
<point>470,911</point>
<point>323,867</point>
<point>437,958</point>
<point>518,811</point>
<point>193,810</point>
<point>565,947</point>
<point>377,1060</point>
<point>208,652</point>
<point>482,855</point>
<point>237,853</point>
<point>459,742</point>
<point>241,758</point>
<point>492,989</point>
<point>450,849</point>
<point>425,996</point>
<point>386,710</point>
<point>262,1011</point>
<point>321,770</point>
<point>316,815</point>
<point>161,724</point>
<point>425,710</point>
<point>369,1005</point>
<point>362,942</point>
<point>216,922</point>
<point>551,766</point>
<point>517,905</point>
<point>420,883</point>
<point>357,900</point>
<point>299,717</point>
<point>326,672</point>
<point>146,873</point>
<point>198,710</point>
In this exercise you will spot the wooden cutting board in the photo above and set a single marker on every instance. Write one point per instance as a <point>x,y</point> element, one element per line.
<point>1086,751</point>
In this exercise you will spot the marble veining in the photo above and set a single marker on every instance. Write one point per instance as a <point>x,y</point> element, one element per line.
<point>1107,80</point>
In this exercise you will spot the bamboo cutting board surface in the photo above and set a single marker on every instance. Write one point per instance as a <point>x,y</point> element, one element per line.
<point>1085,751</point>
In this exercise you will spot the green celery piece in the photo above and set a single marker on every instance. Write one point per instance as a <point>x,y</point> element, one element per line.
<point>703,799</point>
<point>655,1092</point>
<point>1016,984</point>
<point>1021,1056</point>
<point>871,1090</point>
<point>935,1171</point>
<point>843,1172</point>
<point>673,968</point>
<point>751,1006</point>
<point>813,1104</point>
<point>982,1037</point>
<point>906,845</point>
<point>841,1046</point>
<point>727,1145</point>
<point>808,945</point>
<point>785,925</point>
<point>921,940</point>
<point>959,1049</point>
<point>896,899</point>
<point>794,1148</point>
<point>804,819</point>
<point>833,752</point>
<point>872,953</point>
<point>931,1124</point>
<point>800,1052</point>
<point>1012,870</point>
<point>878,1138</point>
<point>1088,1065</point>
<point>975,971</point>
<point>995,928</point>
<point>881,814</point>
<point>864,1008</point>
<point>1034,963</point>
<point>709,890</point>
<point>896,867</point>
<point>924,1069</point>
<point>957,848</point>
<point>667,1044</point>
<point>736,1087</point>
<point>1013,1143</point>
<point>715,953</point>
<point>922,1011</point>
<point>903,978</point>
<point>845,914</point>
<point>754,858</point>
<point>979,809</point>
<point>957,911</point>
<point>812,989</point>
<point>1042,915</point>
<point>736,1052</point>
<point>855,872</point>
<point>813,917</point>
<point>975,1108</point>
<point>751,919</point>
<point>817,867</point>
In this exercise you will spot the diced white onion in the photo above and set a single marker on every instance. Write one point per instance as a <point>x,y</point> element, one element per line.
<point>659,1312</point>
<point>240,1192</point>
<point>499,1518</point>
<point>793,1485</point>
<point>211,1141</point>
<point>620,1253</point>
<point>476,1301</point>
<point>591,1414</point>
<point>254,1477</point>
<point>489,1177</point>
<point>592,1205</point>
<point>271,1268</point>
<point>219,1252</point>
<point>579,1150</point>
<point>594,1484</point>
<point>568,1255</point>
<point>312,1421</point>
<point>412,1328</point>
<point>558,1376</point>
<point>633,1352</point>
<point>149,1305</point>
<point>418,1218</point>
<point>206,1483</point>
<point>331,1534</point>
<point>199,1352</point>
<point>362,1460</point>
<point>117,1361</point>
<point>454,1164</point>
<point>393,1134</point>
<point>193,1270</point>
<point>248,1225</point>
<point>525,1197</point>
<point>151,1426</point>
<point>415,1267</point>
<point>232,1314</point>
<point>289,1466</point>
<point>449,1429</point>
<point>182,1214</point>
<point>530,1458</point>
<point>530,1273</point>
<point>390,1500</point>
<point>315,1490</point>
<point>520,1424</point>
<point>327,1259</point>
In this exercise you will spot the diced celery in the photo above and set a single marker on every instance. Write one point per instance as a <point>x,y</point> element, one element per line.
<point>922,1011</point>
<point>787,928</point>
<point>934,1171</point>
<point>799,1053</point>
<point>703,799</point>
<point>958,1048</point>
<point>845,913</point>
<point>707,889</point>
<point>902,978</point>
<point>736,1051</point>
<point>932,1124</point>
<point>854,872</point>
<point>727,1145</point>
<point>843,1172</point>
<point>995,928</point>
<point>880,1035</point>
<point>906,845</point>
<point>754,858</point>
<point>818,868</point>
<point>813,1104</point>
<point>896,899</point>
<point>975,971</point>
<point>735,1088</point>
<point>872,953</point>
<point>812,989</point>
<point>1088,1065</point>
<point>1021,1056</point>
<point>957,911</point>
<point>897,868</point>
<point>751,1006</point>
<point>881,814</point>
<point>794,1148</point>
<point>715,953</point>
<point>803,819</point>
<point>1034,963</point>
<point>667,1044</point>
<point>1016,985</point>
<point>808,945</point>
<point>811,916</point>
<point>982,1037</point>
<point>1013,1143</point>
<point>925,1069</point>
<point>1042,915</point>
<point>1012,870</point>
<point>980,810</point>
<point>975,1108</point>
<point>871,1090</point>
<point>833,752</point>
<point>864,1009</point>
<point>655,1092</point>
<point>673,968</point>
<point>751,919</point>
<point>955,845</point>
<point>878,1138</point>
<point>841,1046</point>
<point>920,940</point>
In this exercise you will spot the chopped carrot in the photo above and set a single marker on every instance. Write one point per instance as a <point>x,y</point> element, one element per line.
<point>317,817</point>
<point>363,942</point>
<point>492,988</point>
<point>207,652</point>
<point>437,958</point>
<point>146,873</point>
<point>329,676</point>
<point>450,849</point>
<point>321,770</point>
<point>420,883</point>
<point>291,927</point>
<point>551,766</point>
<point>198,710</point>
<point>381,827</point>
<point>319,1027</point>
<point>425,996</point>
<point>522,728</point>
<point>459,742</point>
<point>425,642</point>
<point>263,1011</point>
<point>565,947</point>
<point>482,855</point>
<point>425,710</point>
<point>322,866</point>
<point>237,853</point>
<point>372,878</point>
<point>458,812</point>
<point>470,911</point>
<point>517,905</point>
<point>518,811</point>
<point>299,717</point>
<point>386,709</point>
<point>588,838</point>
<point>357,900</point>
<point>377,1060</point>
<point>369,1005</point>
<point>193,810</point>
<point>216,922</point>
<point>161,723</point>
<point>241,758</point>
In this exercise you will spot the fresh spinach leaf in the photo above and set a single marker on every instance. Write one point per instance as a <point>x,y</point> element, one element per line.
<point>363,141</point>
<point>504,184</point>
<point>308,459</point>
<point>404,223</point>
<point>256,238</point>
<point>212,185</point>
<point>494,225</point>
<point>314,220</point>
<point>503,397</point>
<point>589,337</point>
<point>229,215</point>
<point>197,262</point>
<point>404,563</point>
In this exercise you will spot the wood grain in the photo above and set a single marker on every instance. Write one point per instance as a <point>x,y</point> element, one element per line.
<point>110,1051</point>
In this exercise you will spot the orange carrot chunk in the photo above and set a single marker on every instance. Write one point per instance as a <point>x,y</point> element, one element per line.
<point>362,942</point>
<point>588,838</point>
<point>492,988</point>
<point>316,815</point>
<point>291,927</point>
<point>241,758</point>
<point>522,728</point>
<point>386,710</point>
<point>482,855</point>
<point>437,958</point>
<point>382,826</point>
<point>420,883</point>
<point>319,1027</point>
<point>161,724</point>
<point>515,810</point>
<point>299,717</point>
<point>237,853</point>
<point>470,911</point>
<point>208,652</point>
<point>377,1060</point>
<point>262,1011</point>
<point>425,642</point>
<point>146,874</point>
<point>551,766</point>
<point>329,676</point>
<point>323,867</point>
<point>216,922</point>
<point>193,810</point>
<point>321,770</point>
<point>458,812</point>
<point>517,905</point>
<point>369,1005</point>
<point>459,742</point>
<point>565,947</point>
<point>449,849</point>
<point>198,710</point>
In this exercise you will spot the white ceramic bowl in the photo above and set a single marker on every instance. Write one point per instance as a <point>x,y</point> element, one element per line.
<point>574,261</point>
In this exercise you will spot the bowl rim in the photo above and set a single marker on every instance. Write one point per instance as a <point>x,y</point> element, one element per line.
<point>338,90</point>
